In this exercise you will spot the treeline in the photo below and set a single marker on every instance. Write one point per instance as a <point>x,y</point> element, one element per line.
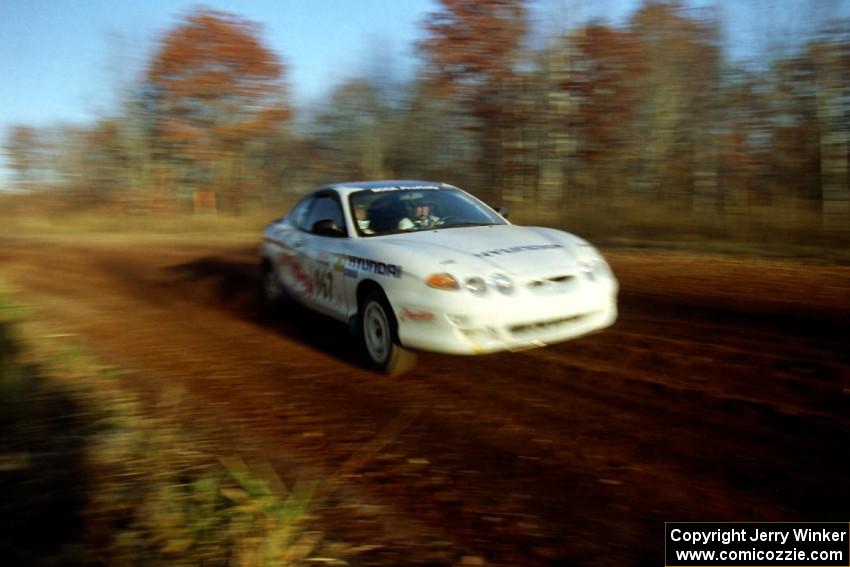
<point>650,111</point>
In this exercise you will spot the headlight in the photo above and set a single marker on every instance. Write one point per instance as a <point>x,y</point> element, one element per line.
<point>502,283</point>
<point>586,269</point>
<point>593,268</point>
<point>476,285</point>
<point>442,281</point>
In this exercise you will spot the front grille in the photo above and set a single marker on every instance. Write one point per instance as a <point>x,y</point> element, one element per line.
<point>545,325</point>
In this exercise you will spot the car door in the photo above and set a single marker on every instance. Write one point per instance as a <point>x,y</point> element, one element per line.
<point>325,251</point>
<point>290,238</point>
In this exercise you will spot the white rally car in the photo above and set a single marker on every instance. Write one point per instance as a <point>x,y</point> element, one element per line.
<point>422,265</point>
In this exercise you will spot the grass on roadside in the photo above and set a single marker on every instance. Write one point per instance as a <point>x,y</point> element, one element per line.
<point>782,229</point>
<point>88,478</point>
<point>43,223</point>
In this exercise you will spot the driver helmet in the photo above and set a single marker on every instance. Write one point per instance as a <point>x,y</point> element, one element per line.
<point>415,204</point>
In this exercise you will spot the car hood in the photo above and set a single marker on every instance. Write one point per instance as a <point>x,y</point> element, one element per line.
<point>508,248</point>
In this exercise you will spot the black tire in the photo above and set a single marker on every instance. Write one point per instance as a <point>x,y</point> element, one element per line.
<point>271,290</point>
<point>379,335</point>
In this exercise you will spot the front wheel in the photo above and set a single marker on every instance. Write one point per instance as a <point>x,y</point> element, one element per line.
<point>378,330</point>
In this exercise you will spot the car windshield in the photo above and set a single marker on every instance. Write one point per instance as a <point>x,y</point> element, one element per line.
<point>395,210</point>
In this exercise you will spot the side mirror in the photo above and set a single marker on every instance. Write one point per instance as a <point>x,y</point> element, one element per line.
<point>502,211</point>
<point>327,227</point>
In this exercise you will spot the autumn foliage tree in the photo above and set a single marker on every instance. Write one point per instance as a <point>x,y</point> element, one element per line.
<point>472,49</point>
<point>472,44</point>
<point>353,131</point>
<point>214,88</point>
<point>652,112</point>
<point>676,112</point>
<point>609,66</point>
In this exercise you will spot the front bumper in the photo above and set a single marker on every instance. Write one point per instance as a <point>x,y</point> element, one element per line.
<point>456,322</point>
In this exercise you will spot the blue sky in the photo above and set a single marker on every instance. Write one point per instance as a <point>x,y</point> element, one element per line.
<point>63,61</point>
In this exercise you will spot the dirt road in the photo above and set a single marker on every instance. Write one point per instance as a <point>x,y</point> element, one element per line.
<point>722,393</point>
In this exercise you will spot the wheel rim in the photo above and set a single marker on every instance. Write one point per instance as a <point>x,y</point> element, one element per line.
<point>271,286</point>
<point>376,330</point>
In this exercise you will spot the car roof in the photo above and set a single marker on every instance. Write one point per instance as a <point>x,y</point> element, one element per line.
<point>347,187</point>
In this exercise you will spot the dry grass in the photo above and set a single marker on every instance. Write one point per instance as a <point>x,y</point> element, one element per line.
<point>783,230</point>
<point>37,214</point>
<point>35,223</point>
<point>89,478</point>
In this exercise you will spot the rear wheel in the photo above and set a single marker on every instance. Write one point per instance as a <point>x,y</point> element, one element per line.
<point>378,329</point>
<point>270,286</point>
